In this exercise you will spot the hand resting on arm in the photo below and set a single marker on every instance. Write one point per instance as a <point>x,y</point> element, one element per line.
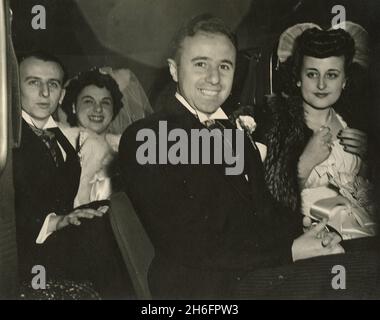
<point>60,221</point>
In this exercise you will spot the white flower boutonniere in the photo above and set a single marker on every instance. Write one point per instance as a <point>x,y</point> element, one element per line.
<point>246,123</point>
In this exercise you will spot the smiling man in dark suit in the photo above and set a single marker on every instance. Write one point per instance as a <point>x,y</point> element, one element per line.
<point>212,231</point>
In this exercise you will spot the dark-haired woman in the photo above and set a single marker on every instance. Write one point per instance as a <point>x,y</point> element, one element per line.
<point>91,102</point>
<point>314,145</point>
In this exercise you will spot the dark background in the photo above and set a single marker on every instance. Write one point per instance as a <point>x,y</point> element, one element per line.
<point>135,33</point>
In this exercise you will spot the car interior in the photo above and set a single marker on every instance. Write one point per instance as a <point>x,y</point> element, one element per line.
<point>135,35</point>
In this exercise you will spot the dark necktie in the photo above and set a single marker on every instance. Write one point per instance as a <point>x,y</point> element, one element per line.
<point>218,124</point>
<point>226,124</point>
<point>222,124</point>
<point>50,140</point>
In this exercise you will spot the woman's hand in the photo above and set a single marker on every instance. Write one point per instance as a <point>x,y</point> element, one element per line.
<point>316,242</point>
<point>319,147</point>
<point>75,216</point>
<point>354,141</point>
<point>316,151</point>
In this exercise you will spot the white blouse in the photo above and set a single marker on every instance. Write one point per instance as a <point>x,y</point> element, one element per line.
<point>342,161</point>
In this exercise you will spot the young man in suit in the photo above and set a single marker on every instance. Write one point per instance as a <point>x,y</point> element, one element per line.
<point>50,232</point>
<point>215,235</point>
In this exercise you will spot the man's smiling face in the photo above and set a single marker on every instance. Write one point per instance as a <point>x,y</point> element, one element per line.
<point>205,70</point>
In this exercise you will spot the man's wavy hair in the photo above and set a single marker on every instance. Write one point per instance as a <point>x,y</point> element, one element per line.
<point>84,79</point>
<point>204,22</point>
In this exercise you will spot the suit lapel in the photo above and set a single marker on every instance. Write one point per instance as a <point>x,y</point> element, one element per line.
<point>182,118</point>
<point>238,182</point>
<point>33,143</point>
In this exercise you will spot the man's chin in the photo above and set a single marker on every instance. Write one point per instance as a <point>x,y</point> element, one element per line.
<point>209,108</point>
<point>41,116</point>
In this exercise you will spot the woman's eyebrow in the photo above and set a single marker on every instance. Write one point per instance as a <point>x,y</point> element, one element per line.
<point>315,69</point>
<point>333,69</point>
<point>84,97</point>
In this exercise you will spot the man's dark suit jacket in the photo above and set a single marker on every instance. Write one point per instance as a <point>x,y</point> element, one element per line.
<point>41,188</point>
<point>87,252</point>
<point>208,229</point>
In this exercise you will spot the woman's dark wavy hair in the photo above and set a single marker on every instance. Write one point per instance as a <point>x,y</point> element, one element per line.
<point>84,79</point>
<point>323,44</point>
<point>318,44</point>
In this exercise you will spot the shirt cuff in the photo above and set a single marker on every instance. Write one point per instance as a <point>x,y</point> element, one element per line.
<point>44,234</point>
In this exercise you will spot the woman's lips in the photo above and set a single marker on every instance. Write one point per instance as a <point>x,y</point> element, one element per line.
<point>96,118</point>
<point>321,95</point>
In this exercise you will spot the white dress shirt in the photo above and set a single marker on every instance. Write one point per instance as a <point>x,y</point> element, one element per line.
<point>219,114</point>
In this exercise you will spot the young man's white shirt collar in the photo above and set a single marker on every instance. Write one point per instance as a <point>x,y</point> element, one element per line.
<point>29,120</point>
<point>218,114</point>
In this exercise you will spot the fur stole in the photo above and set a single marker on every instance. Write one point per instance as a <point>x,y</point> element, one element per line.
<point>286,136</point>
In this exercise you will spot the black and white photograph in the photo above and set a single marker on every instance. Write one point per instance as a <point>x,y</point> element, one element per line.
<point>175,151</point>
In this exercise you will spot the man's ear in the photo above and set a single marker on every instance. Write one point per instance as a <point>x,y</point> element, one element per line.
<point>173,69</point>
<point>63,92</point>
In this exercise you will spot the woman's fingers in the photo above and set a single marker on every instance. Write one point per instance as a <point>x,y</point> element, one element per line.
<point>103,209</point>
<point>351,142</point>
<point>328,238</point>
<point>88,212</point>
<point>83,214</point>
<point>334,240</point>
<point>320,227</point>
<point>337,249</point>
<point>351,133</point>
<point>351,136</point>
<point>360,151</point>
<point>306,221</point>
<point>73,220</point>
<point>74,217</point>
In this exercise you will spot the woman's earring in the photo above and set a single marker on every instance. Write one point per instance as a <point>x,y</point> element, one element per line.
<point>74,111</point>
<point>298,84</point>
